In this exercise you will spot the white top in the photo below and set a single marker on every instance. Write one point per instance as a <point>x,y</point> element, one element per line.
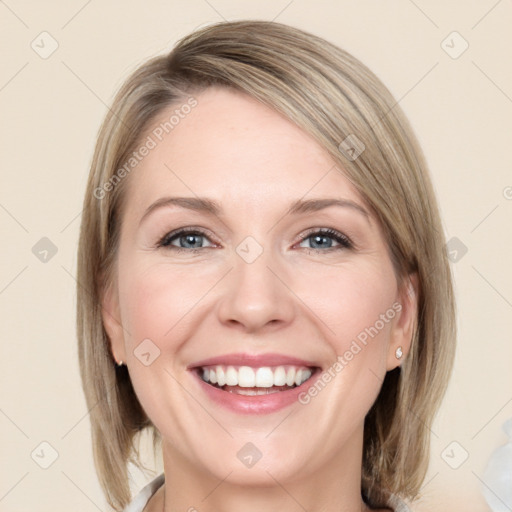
<point>140,501</point>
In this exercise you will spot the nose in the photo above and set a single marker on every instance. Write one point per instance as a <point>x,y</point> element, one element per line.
<point>255,296</point>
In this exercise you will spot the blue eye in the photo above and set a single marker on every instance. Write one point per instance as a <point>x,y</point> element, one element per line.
<point>323,239</point>
<point>192,240</point>
<point>188,239</point>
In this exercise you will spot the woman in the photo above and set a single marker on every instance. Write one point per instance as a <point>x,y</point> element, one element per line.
<point>262,281</point>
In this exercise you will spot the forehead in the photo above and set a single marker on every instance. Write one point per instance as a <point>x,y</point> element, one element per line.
<point>232,147</point>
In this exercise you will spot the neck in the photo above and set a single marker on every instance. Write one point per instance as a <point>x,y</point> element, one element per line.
<point>332,487</point>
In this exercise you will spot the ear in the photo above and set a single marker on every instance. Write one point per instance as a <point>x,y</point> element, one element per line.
<point>405,320</point>
<point>112,320</point>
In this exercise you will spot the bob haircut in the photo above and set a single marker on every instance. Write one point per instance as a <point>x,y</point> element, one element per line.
<point>332,96</point>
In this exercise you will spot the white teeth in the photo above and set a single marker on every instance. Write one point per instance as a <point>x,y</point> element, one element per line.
<point>279,376</point>
<point>231,376</point>
<point>254,392</point>
<point>264,377</point>
<point>302,376</point>
<point>290,377</point>
<point>246,377</point>
<point>221,376</point>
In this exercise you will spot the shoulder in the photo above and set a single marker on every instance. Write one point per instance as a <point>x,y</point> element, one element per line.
<point>140,501</point>
<point>397,505</point>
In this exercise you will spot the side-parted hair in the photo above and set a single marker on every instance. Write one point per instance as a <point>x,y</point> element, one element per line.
<point>338,101</point>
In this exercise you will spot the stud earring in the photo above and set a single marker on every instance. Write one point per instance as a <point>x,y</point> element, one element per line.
<point>398,353</point>
<point>120,363</point>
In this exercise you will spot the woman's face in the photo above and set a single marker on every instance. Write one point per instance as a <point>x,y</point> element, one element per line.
<point>276,283</point>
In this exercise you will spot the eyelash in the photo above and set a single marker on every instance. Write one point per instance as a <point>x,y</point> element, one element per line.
<point>343,240</point>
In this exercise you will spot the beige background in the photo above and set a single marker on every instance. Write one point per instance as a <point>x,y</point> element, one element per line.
<point>461,109</point>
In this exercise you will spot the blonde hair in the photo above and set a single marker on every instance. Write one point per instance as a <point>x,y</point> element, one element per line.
<point>330,95</point>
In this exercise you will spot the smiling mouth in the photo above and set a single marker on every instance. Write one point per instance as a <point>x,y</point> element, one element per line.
<point>249,381</point>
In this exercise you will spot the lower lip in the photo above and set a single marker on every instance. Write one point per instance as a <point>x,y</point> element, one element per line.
<point>254,404</point>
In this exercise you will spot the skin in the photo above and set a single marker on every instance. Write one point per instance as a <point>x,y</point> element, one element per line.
<point>296,298</point>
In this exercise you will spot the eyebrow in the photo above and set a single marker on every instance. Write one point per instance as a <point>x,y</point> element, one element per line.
<point>209,206</point>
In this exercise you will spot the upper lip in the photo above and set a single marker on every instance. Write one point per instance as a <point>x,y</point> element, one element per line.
<point>253,360</point>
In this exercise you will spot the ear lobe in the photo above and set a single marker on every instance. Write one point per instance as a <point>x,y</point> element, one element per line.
<point>405,322</point>
<point>112,321</point>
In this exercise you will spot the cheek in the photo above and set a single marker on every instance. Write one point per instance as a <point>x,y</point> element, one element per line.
<point>357,310</point>
<point>154,301</point>
<point>156,306</point>
<point>355,305</point>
